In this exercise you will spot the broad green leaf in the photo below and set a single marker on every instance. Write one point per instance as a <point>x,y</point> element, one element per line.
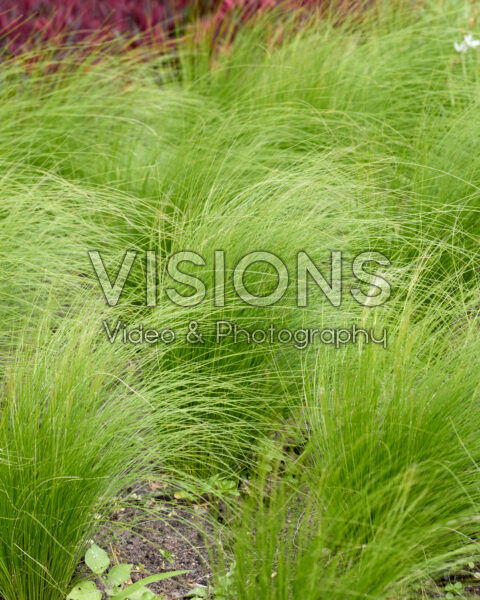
<point>85,591</point>
<point>184,495</point>
<point>125,594</point>
<point>119,574</point>
<point>97,559</point>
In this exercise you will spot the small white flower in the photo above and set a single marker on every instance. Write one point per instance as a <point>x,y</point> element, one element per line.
<point>468,42</point>
<point>471,43</point>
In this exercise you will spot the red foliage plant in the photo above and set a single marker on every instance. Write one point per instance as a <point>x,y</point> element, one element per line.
<point>24,23</point>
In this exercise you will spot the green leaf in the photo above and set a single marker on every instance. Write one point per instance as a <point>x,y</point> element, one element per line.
<point>184,495</point>
<point>125,594</point>
<point>119,574</point>
<point>222,486</point>
<point>85,591</point>
<point>449,596</point>
<point>97,559</point>
<point>166,555</point>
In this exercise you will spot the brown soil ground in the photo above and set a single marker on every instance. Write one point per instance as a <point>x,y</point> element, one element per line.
<point>168,536</point>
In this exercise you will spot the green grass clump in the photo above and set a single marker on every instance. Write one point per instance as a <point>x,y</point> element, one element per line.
<point>381,493</point>
<point>72,437</point>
